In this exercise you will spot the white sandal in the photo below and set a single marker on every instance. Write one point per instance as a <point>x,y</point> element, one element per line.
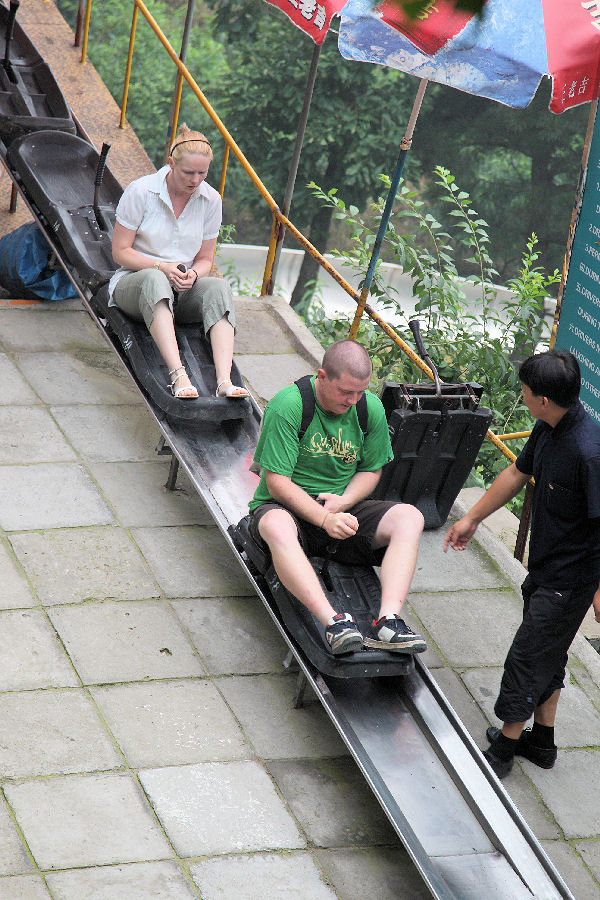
<point>178,392</point>
<point>233,391</point>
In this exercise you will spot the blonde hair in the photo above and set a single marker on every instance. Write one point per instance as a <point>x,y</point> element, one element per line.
<point>188,141</point>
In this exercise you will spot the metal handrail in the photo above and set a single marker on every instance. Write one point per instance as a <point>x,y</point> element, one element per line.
<point>279,219</point>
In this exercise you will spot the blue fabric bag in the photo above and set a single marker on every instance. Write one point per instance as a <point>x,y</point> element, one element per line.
<point>24,267</point>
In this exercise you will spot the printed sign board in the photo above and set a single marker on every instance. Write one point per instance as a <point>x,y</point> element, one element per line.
<point>579,328</point>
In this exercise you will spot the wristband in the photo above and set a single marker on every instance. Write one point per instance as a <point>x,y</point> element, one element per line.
<point>324,517</point>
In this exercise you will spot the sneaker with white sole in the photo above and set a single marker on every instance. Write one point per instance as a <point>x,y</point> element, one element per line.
<point>392,633</point>
<point>342,634</point>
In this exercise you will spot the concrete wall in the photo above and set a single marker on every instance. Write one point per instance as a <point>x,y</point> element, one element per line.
<point>244,265</point>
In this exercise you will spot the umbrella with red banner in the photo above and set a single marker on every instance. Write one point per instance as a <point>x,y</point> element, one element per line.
<point>502,54</point>
<point>311,16</point>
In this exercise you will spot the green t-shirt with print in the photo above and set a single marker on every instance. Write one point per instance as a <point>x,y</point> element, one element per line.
<point>332,450</point>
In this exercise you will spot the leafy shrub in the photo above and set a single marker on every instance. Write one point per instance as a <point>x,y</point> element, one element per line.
<point>483,342</point>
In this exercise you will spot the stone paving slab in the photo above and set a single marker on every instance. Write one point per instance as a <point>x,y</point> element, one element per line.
<point>15,390</point>
<point>15,592</point>
<point>263,705</point>
<point>87,376</point>
<point>31,654</point>
<point>257,331</point>
<point>171,723</point>
<point>579,880</point>
<point>13,858</point>
<point>192,561</point>
<point>28,434</point>
<point>264,876</point>
<point>108,433</point>
<point>216,808</point>
<point>37,329</point>
<point>137,493</point>
<point>52,732</point>
<point>469,628</point>
<point>573,791</point>
<point>590,851</point>
<point>125,641</point>
<point>233,635</point>
<point>83,564</point>
<point>331,801</point>
<point>471,568</point>
<point>69,822</point>
<point>49,495</point>
<point>135,881</point>
<point>23,887</point>
<point>283,368</point>
<point>378,872</point>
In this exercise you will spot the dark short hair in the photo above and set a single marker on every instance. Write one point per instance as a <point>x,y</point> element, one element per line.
<point>347,357</point>
<point>554,374</point>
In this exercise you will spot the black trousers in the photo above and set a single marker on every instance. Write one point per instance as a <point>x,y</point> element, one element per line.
<point>536,662</point>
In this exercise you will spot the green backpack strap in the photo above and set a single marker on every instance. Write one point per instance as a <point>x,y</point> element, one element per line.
<point>308,407</point>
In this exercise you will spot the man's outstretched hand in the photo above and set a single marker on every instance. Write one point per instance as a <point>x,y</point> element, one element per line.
<point>460,534</point>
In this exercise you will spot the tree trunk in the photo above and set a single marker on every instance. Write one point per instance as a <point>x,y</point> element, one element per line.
<point>318,234</point>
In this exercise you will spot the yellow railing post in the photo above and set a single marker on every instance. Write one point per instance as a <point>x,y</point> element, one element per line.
<point>279,219</point>
<point>86,30</point>
<point>224,171</point>
<point>267,283</point>
<point>176,106</point>
<point>129,62</point>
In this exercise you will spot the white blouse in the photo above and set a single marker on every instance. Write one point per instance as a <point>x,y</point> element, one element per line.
<point>146,208</point>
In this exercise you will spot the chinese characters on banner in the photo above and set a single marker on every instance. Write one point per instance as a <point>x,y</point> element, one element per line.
<point>573,47</point>
<point>312,16</point>
<point>438,23</point>
<point>579,328</point>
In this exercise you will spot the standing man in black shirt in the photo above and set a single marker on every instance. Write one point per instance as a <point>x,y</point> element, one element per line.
<point>563,455</point>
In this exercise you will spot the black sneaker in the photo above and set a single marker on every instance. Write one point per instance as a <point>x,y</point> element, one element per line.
<point>392,633</point>
<point>544,757</point>
<point>500,766</point>
<point>342,635</point>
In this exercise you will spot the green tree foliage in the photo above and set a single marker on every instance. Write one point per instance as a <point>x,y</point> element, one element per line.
<point>153,73</point>
<point>521,165</point>
<point>482,340</point>
<point>357,117</point>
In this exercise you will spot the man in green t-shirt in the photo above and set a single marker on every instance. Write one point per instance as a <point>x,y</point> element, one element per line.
<point>312,492</point>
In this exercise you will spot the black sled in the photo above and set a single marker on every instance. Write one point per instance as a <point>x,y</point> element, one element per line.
<point>30,98</point>
<point>436,432</point>
<point>353,589</point>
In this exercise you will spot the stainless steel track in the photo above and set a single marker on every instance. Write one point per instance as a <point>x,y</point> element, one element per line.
<point>462,831</point>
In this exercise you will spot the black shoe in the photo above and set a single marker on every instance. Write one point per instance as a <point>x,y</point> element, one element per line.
<point>342,635</point>
<point>544,757</point>
<point>392,633</point>
<point>500,766</point>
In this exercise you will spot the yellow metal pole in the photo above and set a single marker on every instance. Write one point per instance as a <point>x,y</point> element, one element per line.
<point>513,436</point>
<point>176,106</point>
<point>129,62</point>
<point>202,98</point>
<point>267,285</point>
<point>224,171</point>
<point>86,30</point>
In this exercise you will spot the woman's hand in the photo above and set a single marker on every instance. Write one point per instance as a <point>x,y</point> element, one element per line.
<point>178,279</point>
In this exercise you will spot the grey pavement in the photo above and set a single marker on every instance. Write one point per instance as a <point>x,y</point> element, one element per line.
<point>150,747</point>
